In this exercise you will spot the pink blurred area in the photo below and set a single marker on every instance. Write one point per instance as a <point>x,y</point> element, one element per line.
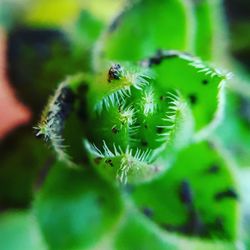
<point>12,112</point>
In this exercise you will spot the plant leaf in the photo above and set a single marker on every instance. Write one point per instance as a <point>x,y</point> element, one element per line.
<point>151,25</point>
<point>75,208</point>
<point>200,84</point>
<point>19,230</point>
<point>197,196</point>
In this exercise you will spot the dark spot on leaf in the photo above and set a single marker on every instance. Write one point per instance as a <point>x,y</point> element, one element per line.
<point>159,130</point>
<point>109,162</point>
<point>185,192</point>
<point>226,194</point>
<point>214,169</point>
<point>144,143</point>
<point>148,212</point>
<point>216,227</point>
<point>205,82</point>
<point>115,130</point>
<point>82,89</point>
<point>163,98</point>
<point>160,56</point>
<point>146,126</point>
<point>192,98</point>
<point>194,224</point>
<point>97,160</point>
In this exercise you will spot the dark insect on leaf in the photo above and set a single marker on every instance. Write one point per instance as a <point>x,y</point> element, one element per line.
<point>115,72</point>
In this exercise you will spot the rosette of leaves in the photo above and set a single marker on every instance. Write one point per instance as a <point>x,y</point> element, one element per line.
<point>137,116</point>
<point>136,167</point>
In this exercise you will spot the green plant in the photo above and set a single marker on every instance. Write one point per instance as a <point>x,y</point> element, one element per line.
<point>144,169</point>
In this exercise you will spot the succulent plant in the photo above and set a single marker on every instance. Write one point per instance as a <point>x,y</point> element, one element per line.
<point>139,163</point>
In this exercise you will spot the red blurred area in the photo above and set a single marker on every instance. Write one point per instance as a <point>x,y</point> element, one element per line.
<point>12,112</point>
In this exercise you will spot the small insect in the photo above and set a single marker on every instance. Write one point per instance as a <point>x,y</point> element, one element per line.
<point>115,72</point>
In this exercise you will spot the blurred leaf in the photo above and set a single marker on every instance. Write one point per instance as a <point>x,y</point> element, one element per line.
<point>244,184</point>
<point>233,133</point>
<point>19,231</point>
<point>241,38</point>
<point>210,40</point>
<point>197,196</point>
<point>150,26</point>
<point>84,31</point>
<point>139,233</point>
<point>240,42</point>
<point>62,12</point>
<point>136,233</point>
<point>42,52</point>
<point>22,157</point>
<point>75,208</point>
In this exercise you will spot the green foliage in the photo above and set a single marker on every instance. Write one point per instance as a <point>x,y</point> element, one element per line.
<point>158,27</point>
<point>140,137</point>
<point>182,203</point>
<point>74,208</point>
<point>135,228</point>
<point>197,82</point>
<point>18,230</point>
<point>210,41</point>
<point>233,132</point>
<point>18,175</point>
